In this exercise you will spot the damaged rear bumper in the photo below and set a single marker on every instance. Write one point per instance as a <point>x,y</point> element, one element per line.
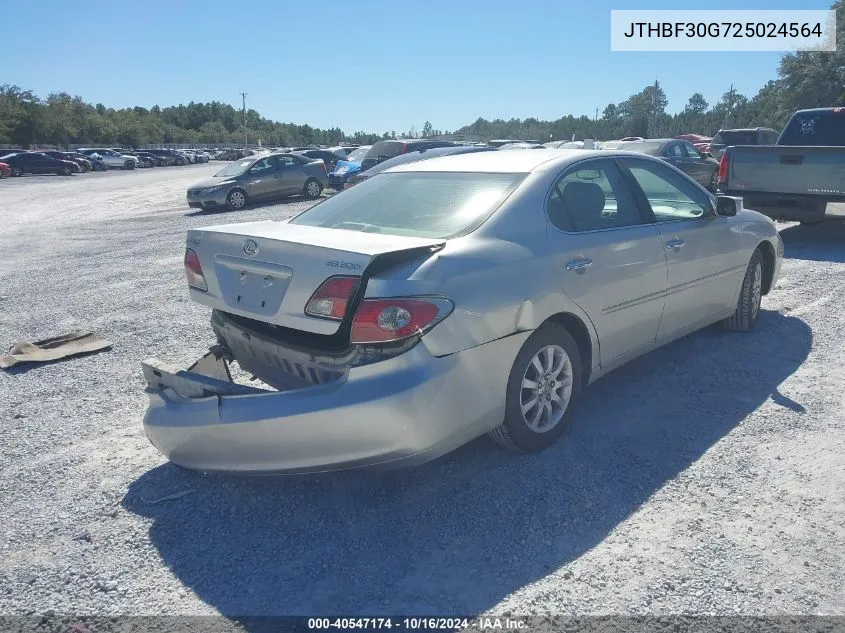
<point>398,412</point>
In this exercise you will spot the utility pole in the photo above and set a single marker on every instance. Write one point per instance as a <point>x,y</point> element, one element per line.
<point>243,96</point>
<point>730,107</point>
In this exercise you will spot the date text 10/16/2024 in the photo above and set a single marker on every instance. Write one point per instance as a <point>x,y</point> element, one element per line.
<point>419,623</point>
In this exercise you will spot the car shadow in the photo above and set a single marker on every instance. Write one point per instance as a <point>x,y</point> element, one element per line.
<point>459,534</point>
<point>823,242</point>
<point>253,205</point>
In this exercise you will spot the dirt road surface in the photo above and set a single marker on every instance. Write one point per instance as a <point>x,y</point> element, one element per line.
<point>704,478</point>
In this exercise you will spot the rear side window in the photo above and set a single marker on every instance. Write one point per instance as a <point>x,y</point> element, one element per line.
<point>590,197</point>
<point>739,137</point>
<point>422,204</point>
<point>675,151</point>
<point>825,128</point>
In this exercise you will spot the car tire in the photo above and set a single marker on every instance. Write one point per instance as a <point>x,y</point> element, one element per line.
<point>714,181</point>
<point>312,189</point>
<point>556,393</point>
<point>16,171</point>
<point>236,199</point>
<point>129,164</point>
<point>750,297</point>
<point>180,162</point>
<point>65,171</point>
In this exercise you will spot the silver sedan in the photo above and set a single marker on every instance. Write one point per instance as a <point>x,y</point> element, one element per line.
<point>445,299</point>
<point>257,178</point>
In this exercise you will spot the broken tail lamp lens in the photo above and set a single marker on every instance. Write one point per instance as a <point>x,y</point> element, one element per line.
<point>331,299</point>
<point>193,271</point>
<point>388,320</point>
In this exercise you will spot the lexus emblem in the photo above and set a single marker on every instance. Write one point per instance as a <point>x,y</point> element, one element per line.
<point>250,247</point>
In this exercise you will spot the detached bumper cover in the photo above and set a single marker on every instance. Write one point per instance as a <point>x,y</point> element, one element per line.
<point>399,412</point>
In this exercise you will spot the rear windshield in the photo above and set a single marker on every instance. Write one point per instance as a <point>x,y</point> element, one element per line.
<point>384,150</point>
<point>358,155</point>
<point>815,128</point>
<point>737,137</point>
<point>421,204</point>
<point>643,147</point>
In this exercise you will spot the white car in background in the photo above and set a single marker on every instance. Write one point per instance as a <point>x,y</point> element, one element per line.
<point>113,159</point>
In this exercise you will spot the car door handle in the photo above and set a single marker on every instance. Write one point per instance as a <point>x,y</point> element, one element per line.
<point>675,245</point>
<point>579,264</point>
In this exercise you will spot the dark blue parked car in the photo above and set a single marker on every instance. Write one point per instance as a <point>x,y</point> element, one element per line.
<point>347,167</point>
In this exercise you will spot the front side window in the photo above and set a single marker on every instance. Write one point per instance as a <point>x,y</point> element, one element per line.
<point>670,195</point>
<point>435,205</point>
<point>263,165</point>
<point>590,197</point>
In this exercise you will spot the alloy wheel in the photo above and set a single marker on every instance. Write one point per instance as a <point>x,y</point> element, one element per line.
<point>756,290</point>
<point>237,200</point>
<point>546,388</point>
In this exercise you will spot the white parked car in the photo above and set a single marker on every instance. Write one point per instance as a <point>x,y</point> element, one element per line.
<point>447,298</point>
<point>111,158</point>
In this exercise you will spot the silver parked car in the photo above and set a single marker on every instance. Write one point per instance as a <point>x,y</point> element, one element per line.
<point>448,298</point>
<point>258,178</point>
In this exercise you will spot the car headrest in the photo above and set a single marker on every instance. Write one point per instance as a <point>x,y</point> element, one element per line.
<point>584,201</point>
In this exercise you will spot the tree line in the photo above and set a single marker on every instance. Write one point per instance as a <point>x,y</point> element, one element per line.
<point>804,80</point>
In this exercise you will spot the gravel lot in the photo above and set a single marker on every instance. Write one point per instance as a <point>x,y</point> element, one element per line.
<point>706,477</point>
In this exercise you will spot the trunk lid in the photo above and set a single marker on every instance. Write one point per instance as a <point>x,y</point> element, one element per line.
<point>788,170</point>
<point>268,271</point>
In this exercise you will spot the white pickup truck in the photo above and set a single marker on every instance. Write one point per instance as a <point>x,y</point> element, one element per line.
<point>113,159</point>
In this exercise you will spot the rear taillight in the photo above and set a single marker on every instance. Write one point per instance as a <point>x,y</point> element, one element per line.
<point>386,320</point>
<point>193,271</point>
<point>724,168</point>
<point>331,298</point>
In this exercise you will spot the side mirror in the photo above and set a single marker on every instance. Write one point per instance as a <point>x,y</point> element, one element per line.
<point>728,206</point>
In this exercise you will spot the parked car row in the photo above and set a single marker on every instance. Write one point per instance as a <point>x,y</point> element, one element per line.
<point>19,161</point>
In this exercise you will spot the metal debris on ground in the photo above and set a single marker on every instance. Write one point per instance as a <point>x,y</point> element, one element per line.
<point>50,349</point>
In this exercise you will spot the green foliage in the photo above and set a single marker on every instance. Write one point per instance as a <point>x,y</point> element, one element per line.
<point>697,104</point>
<point>61,119</point>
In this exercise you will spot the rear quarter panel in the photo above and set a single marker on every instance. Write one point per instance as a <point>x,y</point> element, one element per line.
<point>753,229</point>
<point>501,277</point>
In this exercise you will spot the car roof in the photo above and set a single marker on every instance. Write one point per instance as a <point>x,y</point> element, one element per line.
<point>516,161</point>
<point>819,110</point>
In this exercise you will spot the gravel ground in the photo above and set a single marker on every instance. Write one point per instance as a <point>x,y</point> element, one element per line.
<point>704,478</point>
